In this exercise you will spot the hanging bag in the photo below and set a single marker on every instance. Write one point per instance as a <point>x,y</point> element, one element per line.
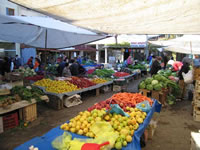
<point>188,77</point>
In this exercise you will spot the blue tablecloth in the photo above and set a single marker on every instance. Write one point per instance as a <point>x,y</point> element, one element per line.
<point>44,142</point>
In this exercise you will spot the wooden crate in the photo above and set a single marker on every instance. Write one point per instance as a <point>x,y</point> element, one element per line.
<point>1,124</point>
<point>156,95</point>
<point>30,113</point>
<point>145,92</point>
<point>55,102</point>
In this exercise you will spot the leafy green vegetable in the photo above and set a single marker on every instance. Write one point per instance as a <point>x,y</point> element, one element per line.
<point>157,87</point>
<point>148,80</point>
<point>142,85</point>
<point>149,87</point>
<point>154,82</point>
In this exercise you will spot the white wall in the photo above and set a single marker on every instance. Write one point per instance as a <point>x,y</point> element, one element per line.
<point>6,4</point>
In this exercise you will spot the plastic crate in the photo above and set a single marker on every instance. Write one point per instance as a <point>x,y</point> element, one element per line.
<point>10,121</point>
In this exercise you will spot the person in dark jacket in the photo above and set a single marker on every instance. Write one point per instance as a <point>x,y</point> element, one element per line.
<point>156,66</point>
<point>74,68</point>
<point>185,68</point>
<point>5,66</point>
<point>165,60</point>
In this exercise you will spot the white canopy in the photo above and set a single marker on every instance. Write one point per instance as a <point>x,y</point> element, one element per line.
<point>43,32</point>
<point>188,44</point>
<point>124,16</point>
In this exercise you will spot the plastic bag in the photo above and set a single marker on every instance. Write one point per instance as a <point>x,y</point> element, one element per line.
<point>144,106</point>
<point>104,132</point>
<point>115,108</point>
<point>188,77</point>
<point>62,142</point>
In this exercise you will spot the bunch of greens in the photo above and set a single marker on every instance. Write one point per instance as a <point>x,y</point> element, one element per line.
<point>27,93</point>
<point>52,69</point>
<point>103,73</point>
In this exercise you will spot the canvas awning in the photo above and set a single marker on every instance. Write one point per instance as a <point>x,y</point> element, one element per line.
<point>124,16</point>
<point>44,32</point>
<point>187,44</point>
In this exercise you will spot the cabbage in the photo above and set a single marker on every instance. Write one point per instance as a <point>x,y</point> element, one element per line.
<point>149,87</point>
<point>154,82</point>
<point>142,85</point>
<point>148,80</point>
<point>157,87</point>
<point>158,77</point>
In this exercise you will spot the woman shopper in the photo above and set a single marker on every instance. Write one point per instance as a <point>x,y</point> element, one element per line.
<point>185,68</point>
<point>36,65</point>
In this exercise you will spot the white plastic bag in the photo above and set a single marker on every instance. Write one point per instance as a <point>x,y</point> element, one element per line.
<point>188,77</point>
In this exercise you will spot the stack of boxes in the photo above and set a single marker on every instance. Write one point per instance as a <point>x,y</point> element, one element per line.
<point>196,101</point>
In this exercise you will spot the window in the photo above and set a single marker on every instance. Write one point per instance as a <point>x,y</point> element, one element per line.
<point>10,11</point>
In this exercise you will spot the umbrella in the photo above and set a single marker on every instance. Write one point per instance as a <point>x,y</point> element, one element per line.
<point>44,32</point>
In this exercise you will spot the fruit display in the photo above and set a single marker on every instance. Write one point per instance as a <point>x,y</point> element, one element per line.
<point>104,73</point>
<point>99,81</point>
<point>106,104</point>
<point>120,74</point>
<point>55,86</point>
<point>81,82</point>
<point>35,78</point>
<point>124,126</point>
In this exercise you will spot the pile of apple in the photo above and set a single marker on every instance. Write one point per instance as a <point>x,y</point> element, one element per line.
<point>125,126</point>
<point>106,104</point>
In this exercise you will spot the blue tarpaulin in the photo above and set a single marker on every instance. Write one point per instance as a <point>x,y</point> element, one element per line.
<point>44,142</point>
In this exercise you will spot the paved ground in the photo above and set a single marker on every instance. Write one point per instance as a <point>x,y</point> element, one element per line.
<point>173,132</point>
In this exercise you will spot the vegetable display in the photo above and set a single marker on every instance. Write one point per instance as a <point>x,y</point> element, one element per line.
<point>81,82</point>
<point>35,78</point>
<point>104,73</point>
<point>167,73</point>
<point>27,72</point>
<point>133,98</point>
<point>27,93</point>
<point>99,80</point>
<point>120,74</point>
<point>52,69</point>
<point>55,86</point>
<point>138,66</point>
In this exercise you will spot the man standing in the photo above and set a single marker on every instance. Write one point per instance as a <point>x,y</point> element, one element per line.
<point>17,63</point>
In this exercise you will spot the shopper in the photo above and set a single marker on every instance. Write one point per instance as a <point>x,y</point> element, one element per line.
<point>81,70</point>
<point>5,66</point>
<point>165,60</point>
<point>156,65</point>
<point>17,62</point>
<point>74,68</point>
<point>36,65</point>
<point>185,68</point>
<point>66,71</point>
<point>30,62</point>
<point>61,67</point>
<point>12,65</point>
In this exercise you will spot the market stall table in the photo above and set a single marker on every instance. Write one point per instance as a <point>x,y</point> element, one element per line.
<point>56,100</point>
<point>44,142</point>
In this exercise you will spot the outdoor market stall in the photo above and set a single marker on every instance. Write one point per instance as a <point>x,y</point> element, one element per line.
<point>46,141</point>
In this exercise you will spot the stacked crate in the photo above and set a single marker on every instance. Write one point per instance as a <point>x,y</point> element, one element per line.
<point>196,73</point>
<point>196,101</point>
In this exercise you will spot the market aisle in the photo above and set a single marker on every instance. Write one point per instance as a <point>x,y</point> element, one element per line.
<point>174,127</point>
